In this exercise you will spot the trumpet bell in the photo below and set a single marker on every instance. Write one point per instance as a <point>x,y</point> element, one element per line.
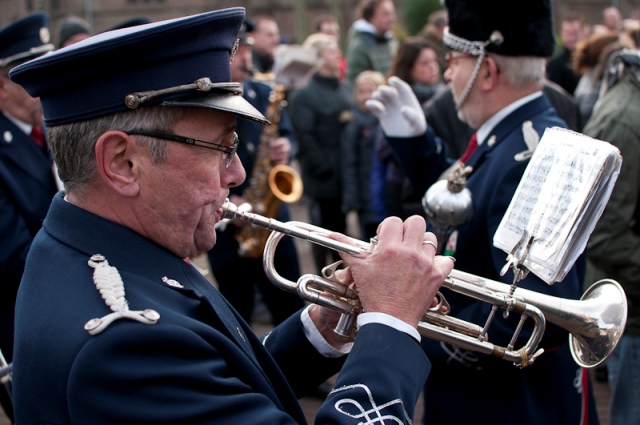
<point>603,317</point>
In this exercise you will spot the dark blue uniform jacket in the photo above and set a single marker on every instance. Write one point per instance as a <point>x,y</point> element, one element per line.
<point>27,186</point>
<point>199,364</point>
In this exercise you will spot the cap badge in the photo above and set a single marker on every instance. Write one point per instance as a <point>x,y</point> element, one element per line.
<point>109,283</point>
<point>45,36</point>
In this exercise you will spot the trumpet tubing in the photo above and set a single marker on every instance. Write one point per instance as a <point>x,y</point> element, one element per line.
<point>595,322</point>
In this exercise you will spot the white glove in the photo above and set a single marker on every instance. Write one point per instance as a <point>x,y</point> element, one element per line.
<point>398,109</point>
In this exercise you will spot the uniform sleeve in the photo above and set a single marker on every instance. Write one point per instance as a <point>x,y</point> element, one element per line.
<point>293,353</point>
<point>422,158</point>
<point>381,380</point>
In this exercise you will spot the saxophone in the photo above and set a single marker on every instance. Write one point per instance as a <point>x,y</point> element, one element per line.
<point>269,185</point>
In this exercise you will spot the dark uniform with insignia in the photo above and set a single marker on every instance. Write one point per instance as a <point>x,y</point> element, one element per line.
<point>554,390</point>
<point>173,351</point>
<point>27,182</point>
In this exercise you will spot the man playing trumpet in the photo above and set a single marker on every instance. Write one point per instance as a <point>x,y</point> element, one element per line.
<point>114,326</point>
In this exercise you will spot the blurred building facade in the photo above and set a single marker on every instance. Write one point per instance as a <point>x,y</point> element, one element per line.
<point>293,16</point>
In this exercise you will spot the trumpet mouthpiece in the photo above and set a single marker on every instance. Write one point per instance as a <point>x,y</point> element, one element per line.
<point>229,210</point>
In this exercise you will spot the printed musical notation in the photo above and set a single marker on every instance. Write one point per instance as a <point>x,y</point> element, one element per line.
<point>559,200</point>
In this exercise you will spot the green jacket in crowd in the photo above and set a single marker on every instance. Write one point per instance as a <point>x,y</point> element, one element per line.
<point>614,247</point>
<point>368,51</point>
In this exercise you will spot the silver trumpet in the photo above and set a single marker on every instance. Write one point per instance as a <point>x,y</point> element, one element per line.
<point>595,322</point>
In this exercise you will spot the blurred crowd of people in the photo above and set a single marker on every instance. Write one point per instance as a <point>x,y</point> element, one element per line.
<point>354,160</point>
<point>584,51</point>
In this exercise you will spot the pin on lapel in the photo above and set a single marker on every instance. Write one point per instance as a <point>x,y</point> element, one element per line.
<point>172,282</point>
<point>109,283</point>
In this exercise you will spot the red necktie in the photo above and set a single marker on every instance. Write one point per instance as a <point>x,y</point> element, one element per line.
<point>471,147</point>
<point>38,135</point>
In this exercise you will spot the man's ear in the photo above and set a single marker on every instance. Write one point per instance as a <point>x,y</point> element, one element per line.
<point>117,160</point>
<point>489,73</point>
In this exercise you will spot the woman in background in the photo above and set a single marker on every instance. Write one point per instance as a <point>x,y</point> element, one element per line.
<point>416,63</point>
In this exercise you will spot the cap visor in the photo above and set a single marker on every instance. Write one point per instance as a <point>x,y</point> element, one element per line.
<point>227,102</point>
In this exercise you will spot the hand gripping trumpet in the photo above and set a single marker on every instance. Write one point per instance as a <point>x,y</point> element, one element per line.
<point>595,322</point>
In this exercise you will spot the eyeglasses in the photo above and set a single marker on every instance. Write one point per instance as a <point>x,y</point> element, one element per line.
<point>228,151</point>
<point>453,59</point>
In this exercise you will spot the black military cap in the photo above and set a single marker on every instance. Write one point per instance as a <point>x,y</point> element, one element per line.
<point>505,27</point>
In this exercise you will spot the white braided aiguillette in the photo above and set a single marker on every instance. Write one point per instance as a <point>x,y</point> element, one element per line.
<point>531,139</point>
<point>109,283</point>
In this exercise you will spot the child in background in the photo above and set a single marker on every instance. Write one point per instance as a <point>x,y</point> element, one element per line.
<point>363,175</point>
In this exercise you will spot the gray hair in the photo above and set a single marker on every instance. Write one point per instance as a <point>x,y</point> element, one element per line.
<point>73,145</point>
<point>521,71</point>
<point>318,42</point>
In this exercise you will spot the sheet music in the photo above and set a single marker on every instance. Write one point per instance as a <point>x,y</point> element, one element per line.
<point>562,194</point>
<point>294,65</point>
